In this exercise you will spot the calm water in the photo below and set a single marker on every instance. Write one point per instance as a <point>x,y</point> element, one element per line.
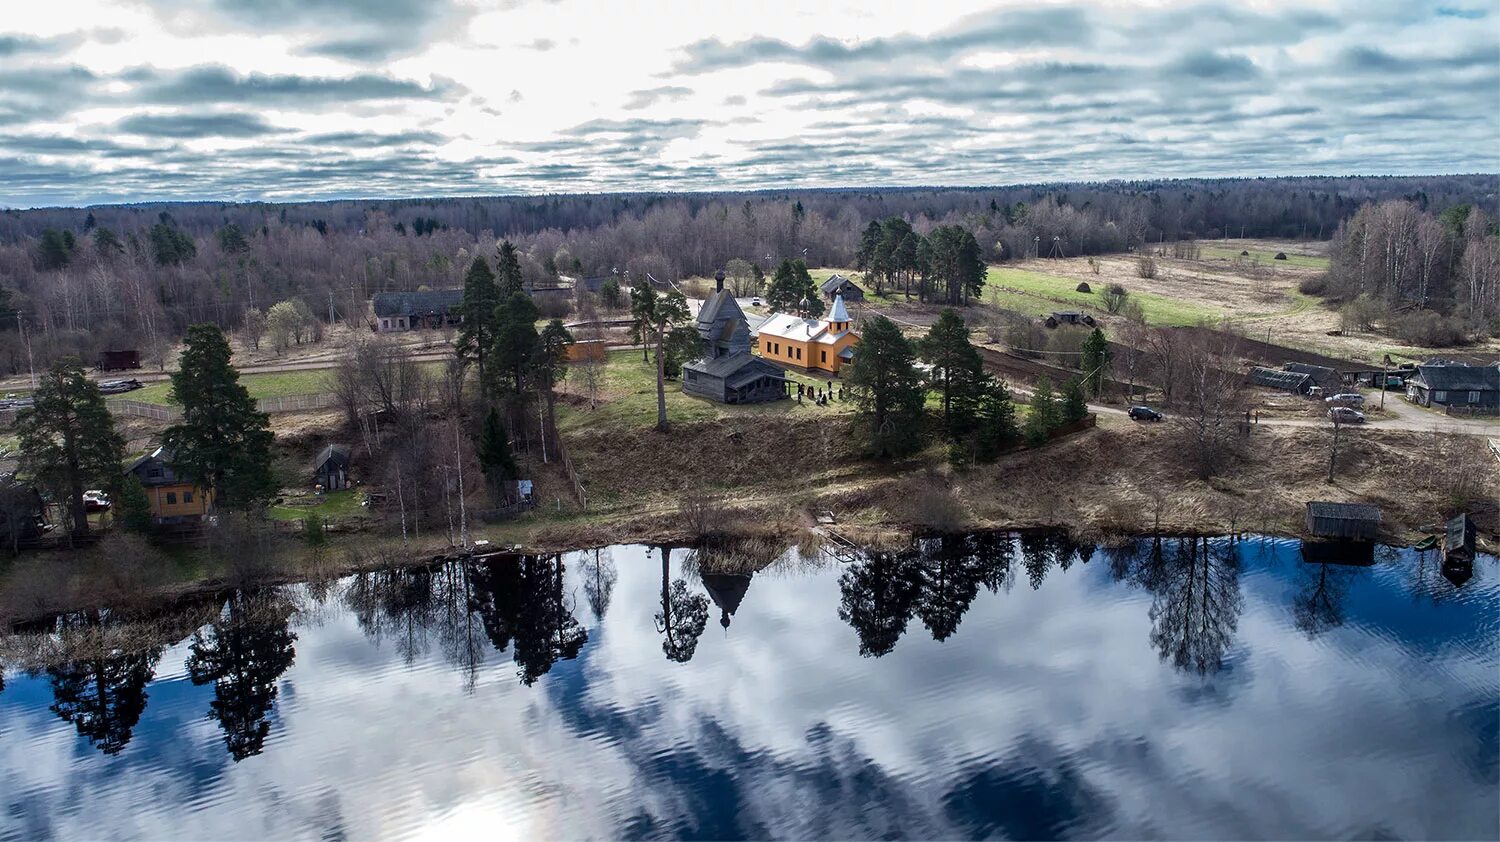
<point>981,687</point>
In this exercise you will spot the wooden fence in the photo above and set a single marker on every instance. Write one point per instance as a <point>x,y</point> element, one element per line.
<point>157,412</point>
<point>572,473</point>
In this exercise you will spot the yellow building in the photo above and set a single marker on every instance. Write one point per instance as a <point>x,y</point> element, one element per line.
<point>825,344</point>
<point>173,498</point>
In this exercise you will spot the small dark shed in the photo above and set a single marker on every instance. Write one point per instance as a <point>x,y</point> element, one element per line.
<point>1069,317</point>
<point>1458,542</point>
<point>1275,378</point>
<point>118,360</point>
<point>331,468</point>
<point>1348,521</point>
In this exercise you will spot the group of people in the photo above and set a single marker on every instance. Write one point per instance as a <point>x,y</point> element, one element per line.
<point>818,395</point>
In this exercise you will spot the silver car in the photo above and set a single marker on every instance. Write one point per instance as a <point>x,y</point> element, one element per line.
<point>1345,399</point>
<point>1345,415</point>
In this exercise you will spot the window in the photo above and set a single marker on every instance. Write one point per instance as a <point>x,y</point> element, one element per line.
<point>824,356</point>
<point>171,498</point>
<point>385,323</point>
<point>1473,397</point>
<point>187,496</point>
<point>1440,397</point>
<point>153,473</point>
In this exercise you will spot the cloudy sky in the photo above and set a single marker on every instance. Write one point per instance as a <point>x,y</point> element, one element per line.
<point>111,100</point>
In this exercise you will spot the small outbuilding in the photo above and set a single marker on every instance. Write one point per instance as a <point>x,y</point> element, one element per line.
<point>1275,378</point>
<point>1343,521</point>
<point>1459,541</point>
<point>428,308</point>
<point>1069,317</point>
<point>331,468</point>
<point>839,286</point>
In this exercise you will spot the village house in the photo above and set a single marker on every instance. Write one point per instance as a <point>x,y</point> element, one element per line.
<point>838,286</point>
<point>1329,379</point>
<point>174,499</point>
<point>1295,382</point>
<point>331,468</point>
<point>1456,385</point>
<point>825,344</point>
<point>1068,317</point>
<point>430,308</point>
<point>727,372</point>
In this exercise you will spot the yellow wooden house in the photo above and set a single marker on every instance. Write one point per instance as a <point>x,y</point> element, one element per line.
<point>174,499</point>
<point>825,344</point>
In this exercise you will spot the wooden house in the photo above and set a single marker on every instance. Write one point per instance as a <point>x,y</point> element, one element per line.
<point>838,286</point>
<point>728,372</point>
<point>22,513</point>
<point>1457,385</point>
<point>1069,317</point>
<point>429,308</point>
<point>174,499</point>
<point>331,468</point>
<point>1343,521</point>
<point>825,344</point>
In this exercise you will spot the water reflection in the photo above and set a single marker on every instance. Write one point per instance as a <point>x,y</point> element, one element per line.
<point>1090,710</point>
<point>243,654</point>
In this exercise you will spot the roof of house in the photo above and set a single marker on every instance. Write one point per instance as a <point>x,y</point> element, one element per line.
<point>1343,511</point>
<point>1457,377</point>
<point>160,454</point>
<point>834,283</point>
<point>417,302</point>
<point>720,308</point>
<point>337,452</point>
<point>795,328</point>
<point>1317,372</point>
<point>1278,378</point>
<point>736,367</point>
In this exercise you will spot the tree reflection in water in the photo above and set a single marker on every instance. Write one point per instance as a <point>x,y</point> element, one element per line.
<point>1319,603</point>
<point>522,605</point>
<point>599,577</point>
<point>683,615</point>
<point>103,696</point>
<point>244,653</point>
<point>1196,603</point>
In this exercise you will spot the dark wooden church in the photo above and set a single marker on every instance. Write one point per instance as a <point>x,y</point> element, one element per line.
<point>728,372</point>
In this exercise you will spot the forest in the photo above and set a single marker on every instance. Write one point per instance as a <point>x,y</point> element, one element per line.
<point>82,279</point>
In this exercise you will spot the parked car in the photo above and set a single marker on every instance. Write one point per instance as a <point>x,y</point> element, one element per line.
<point>1345,399</point>
<point>95,501</point>
<point>1315,392</point>
<point>755,302</point>
<point>1345,415</point>
<point>1145,413</point>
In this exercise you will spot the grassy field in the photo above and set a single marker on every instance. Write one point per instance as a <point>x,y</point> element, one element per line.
<point>1035,293</point>
<point>1265,256</point>
<point>277,385</point>
<point>334,505</point>
<point>627,399</point>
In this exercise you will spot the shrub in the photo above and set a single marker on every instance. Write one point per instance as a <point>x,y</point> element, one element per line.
<point>1145,266</point>
<point>1361,314</point>
<point>1280,255</point>
<point>1430,329</point>
<point>1313,285</point>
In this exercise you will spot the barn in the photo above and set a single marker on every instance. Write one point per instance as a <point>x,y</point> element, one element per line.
<point>331,468</point>
<point>1274,378</point>
<point>1343,521</point>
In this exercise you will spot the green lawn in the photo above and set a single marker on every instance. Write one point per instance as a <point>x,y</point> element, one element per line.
<point>1037,293</point>
<point>627,399</point>
<point>334,505</point>
<point>274,385</point>
<point>1230,252</point>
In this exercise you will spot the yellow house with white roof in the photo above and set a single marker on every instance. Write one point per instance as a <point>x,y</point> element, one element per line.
<point>825,344</point>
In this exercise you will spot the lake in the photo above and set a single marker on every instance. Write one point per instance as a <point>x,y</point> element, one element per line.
<point>994,685</point>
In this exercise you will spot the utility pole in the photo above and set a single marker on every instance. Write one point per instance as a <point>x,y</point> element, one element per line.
<point>26,337</point>
<point>330,308</point>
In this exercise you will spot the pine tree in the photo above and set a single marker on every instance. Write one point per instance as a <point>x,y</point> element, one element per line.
<point>1044,415</point>
<point>656,317</point>
<point>494,450</point>
<point>515,341</point>
<point>131,506</point>
<point>54,250</point>
<point>1074,406</point>
<point>790,286</point>
<point>481,297</point>
<point>888,389</point>
<point>67,438</point>
<point>550,364</point>
<point>955,366</point>
<point>997,421</point>
<point>1096,359</point>
<point>223,442</point>
<point>508,278</point>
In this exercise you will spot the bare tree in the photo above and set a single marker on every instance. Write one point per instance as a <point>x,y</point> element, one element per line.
<point>1211,398</point>
<point>1145,266</point>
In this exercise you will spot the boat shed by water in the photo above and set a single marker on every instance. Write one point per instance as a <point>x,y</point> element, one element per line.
<point>1346,521</point>
<point>1458,543</point>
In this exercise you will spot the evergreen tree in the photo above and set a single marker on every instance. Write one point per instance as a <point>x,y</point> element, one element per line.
<point>956,367</point>
<point>67,438</point>
<point>656,317</point>
<point>515,341</point>
<point>54,250</point>
<point>495,458</point>
<point>957,263</point>
<point>1096,359</point>
<point>997,421</point>
<point>131,506</point>
<point>107,243</point>
<point>223,442</point>
<point>1044,415</point>
<point>642,305</point>
<point>1074,406</point>
<point>550,364</point>
<point>508,278</point>
<point>610,295</point>
<point>790,286</point>
<point>869,247</point>
<point>683,345</point>
<point>232,239</point>
<point>171,246</point>
<point>888,389</point>
<point>481,297</point>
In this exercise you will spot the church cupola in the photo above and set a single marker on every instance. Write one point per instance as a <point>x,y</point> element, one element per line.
<point>838,315</point>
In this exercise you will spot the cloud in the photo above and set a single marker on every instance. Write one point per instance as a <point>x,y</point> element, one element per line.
<point>192,126</point>
<point>647,98</point>
<point>219,84</point>
<point>370,31</point>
